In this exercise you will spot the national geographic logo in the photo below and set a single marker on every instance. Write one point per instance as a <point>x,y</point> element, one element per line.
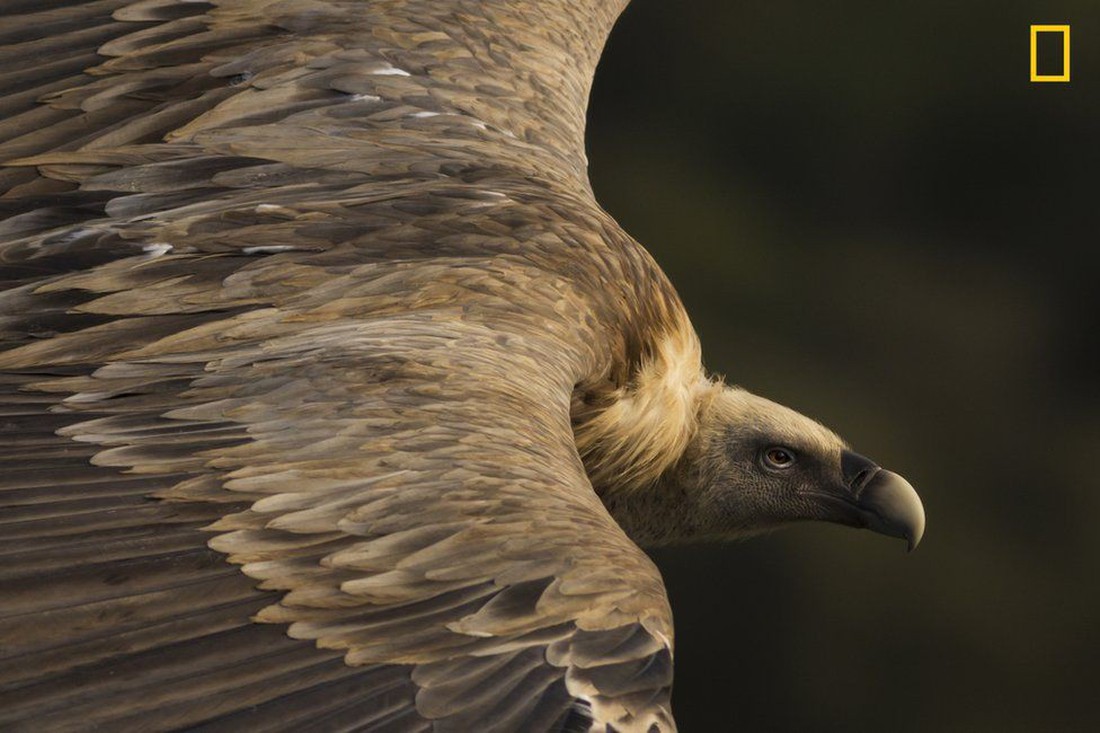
<point>1050,53</point>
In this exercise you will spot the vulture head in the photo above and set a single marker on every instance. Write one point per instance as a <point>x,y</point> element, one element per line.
<point>754,465</point>
<point>726,464</point>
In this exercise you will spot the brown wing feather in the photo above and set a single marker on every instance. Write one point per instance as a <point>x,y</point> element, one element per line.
<point>312,283</point>
<point>395,440</point>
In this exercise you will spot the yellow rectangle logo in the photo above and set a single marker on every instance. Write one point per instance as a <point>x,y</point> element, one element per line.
<point>1035,31</point>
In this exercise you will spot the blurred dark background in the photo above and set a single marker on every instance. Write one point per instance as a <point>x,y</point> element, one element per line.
<point>874,217</point>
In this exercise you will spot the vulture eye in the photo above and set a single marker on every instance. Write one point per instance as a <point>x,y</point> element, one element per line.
<point>779,457</point>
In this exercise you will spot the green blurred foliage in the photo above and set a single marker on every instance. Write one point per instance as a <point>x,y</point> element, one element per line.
<point>873,216</point>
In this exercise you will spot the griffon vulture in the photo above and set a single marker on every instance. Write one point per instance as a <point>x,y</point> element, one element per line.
<point>331,398</point>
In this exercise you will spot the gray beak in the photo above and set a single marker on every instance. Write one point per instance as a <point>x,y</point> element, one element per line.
<point>885,502</point>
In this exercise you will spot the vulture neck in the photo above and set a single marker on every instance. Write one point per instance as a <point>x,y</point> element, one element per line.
<point>629,436</point>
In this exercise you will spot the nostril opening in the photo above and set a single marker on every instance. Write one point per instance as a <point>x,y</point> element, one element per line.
<point>857,469</point>
<point>863,478</point>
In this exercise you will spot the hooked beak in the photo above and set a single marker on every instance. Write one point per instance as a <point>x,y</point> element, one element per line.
<point>884,501</point>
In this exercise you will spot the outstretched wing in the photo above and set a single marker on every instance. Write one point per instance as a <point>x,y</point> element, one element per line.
<point>297,294</point>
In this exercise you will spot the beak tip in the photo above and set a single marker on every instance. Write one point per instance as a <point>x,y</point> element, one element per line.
<point>893,507</point>
<point>916,530</point>
<point>915,539</point>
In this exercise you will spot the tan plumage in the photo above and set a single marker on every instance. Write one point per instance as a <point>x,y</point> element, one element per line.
<point>319,288</point>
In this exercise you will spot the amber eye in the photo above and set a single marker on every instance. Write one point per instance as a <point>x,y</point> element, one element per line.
<point>779,457</point>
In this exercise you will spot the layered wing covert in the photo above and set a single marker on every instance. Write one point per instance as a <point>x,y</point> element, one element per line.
<point>296,297</point>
